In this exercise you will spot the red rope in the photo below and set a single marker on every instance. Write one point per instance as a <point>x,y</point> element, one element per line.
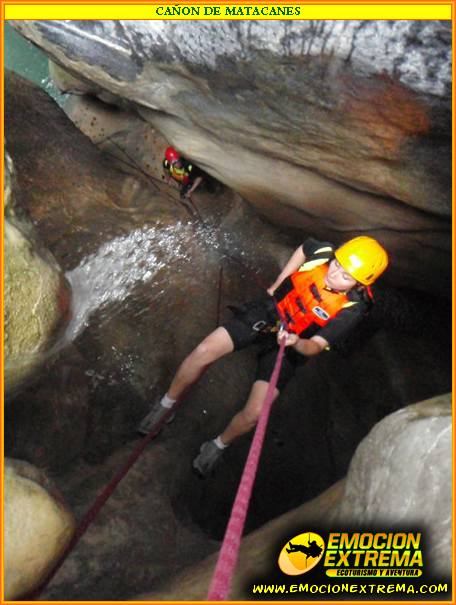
<point>259,282</point>
<point>100,502</point>
<point>224,569</point>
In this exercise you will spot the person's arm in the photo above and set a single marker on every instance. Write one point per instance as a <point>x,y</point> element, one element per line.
<point>297,259</point>
<point>196,183</point>
<point>311,346</point>
<point>305,346</point>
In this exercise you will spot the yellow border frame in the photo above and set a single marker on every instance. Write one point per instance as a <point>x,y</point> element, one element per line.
<point>388,9</point>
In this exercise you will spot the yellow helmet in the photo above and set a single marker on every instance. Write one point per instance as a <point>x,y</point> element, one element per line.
<point>363,258</point>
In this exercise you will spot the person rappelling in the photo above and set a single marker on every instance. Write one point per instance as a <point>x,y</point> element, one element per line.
<point>317,300</point>
<point>187,176</point>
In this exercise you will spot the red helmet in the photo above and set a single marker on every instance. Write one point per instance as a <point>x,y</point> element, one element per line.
<point>172,155</point>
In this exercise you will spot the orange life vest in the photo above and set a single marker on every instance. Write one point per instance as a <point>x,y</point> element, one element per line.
<point>309,301</point>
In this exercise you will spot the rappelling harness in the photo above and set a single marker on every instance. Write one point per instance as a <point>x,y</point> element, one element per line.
<point>302,304</point>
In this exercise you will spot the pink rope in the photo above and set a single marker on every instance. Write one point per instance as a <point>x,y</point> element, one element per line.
<point>228,555</point>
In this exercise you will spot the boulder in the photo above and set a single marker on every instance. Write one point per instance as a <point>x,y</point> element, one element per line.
<point>36,305</point>
<point>36,292</point>
<point>38,526</point>
<point>400,477</point>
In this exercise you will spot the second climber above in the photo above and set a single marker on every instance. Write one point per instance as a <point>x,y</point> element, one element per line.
<point>184,173</point>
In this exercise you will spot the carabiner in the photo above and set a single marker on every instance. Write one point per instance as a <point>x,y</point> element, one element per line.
<point>259,325</point>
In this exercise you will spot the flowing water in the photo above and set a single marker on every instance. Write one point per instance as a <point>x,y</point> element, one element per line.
<point>126,269</point>
<point>118,267</point>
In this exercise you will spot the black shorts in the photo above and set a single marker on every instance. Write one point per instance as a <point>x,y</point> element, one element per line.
<point>251,324</point>
<point>184,189</point>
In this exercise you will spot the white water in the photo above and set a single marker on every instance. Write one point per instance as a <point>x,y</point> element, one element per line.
<point>118,266</point>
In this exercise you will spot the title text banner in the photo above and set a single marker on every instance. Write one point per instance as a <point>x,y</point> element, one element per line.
<point>184,11</point>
